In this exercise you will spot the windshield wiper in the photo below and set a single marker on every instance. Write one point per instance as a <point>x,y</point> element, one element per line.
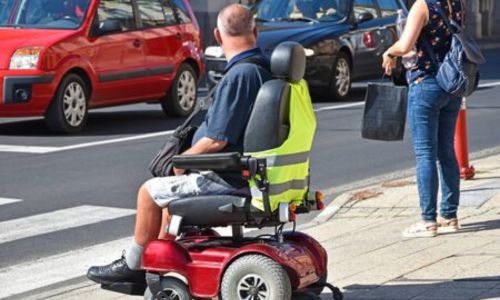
<point>261,20</point>
<point>301,19</point>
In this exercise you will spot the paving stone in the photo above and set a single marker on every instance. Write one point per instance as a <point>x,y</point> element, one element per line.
<point>450,267</point>
<point>444,293</point>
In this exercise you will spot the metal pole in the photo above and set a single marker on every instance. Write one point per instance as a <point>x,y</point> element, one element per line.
<point>461,143</point>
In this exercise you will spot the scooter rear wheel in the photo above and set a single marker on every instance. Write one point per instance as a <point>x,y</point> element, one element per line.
<point>256,277</point>
<point>172,289</point>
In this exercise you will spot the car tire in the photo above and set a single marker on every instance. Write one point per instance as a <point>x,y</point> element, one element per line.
<point>256,273</point>
<point>340,84</point>
<point>68,111</point>
<point>172,288</point>
<point>181,98</point>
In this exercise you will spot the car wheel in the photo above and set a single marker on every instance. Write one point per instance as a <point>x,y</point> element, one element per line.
<point>181,98</point>
<point>172,289</point>
<point>340,85</point>
<point>68,111</point>
<point>256,277</point>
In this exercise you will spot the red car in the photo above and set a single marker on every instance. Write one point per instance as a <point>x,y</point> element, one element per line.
<point>58,58</point>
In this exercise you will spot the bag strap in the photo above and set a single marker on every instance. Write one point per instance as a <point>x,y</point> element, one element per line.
<point>251,60</point>
<point>451,24</point>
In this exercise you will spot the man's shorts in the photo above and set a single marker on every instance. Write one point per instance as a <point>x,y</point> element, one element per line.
<point>166,189</point>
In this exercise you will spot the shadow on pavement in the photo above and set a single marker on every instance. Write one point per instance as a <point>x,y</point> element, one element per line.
<point>101,124</point>
<point>462,288</point>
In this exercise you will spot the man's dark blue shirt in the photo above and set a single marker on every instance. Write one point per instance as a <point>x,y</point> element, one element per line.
<point>232,105</point>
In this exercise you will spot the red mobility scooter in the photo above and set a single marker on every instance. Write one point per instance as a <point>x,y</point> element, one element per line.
<point>200,264</point>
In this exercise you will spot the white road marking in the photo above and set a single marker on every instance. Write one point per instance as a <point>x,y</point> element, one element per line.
<point>334,107</point>
<point>4,201</point>
<point>58,220</point>
<point>489,84</point>
<point>45,150</point>
<point>26,149</point>
<point>49,270</point>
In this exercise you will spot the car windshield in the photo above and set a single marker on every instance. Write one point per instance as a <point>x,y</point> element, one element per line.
<point>54,14</point>
<point>302,10</point>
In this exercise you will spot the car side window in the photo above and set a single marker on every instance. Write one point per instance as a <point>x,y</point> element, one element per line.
<point>365,6</point>
<point>181,11</point>
<point>120,10</point>
<point>388,7</point>
<point>168,11</point>
<point>151,12</point>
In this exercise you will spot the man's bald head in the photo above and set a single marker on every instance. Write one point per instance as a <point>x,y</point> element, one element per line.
<point>236,20</point>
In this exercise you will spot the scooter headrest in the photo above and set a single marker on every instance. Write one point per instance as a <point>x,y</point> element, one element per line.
<point>288,61</point>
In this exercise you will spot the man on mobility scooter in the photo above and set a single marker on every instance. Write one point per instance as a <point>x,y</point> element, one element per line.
<point>276,142</point>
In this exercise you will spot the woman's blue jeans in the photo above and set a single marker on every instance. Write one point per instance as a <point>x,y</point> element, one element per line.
<point>432,116</point>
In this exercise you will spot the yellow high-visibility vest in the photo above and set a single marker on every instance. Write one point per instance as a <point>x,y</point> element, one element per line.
<point>288,165</point>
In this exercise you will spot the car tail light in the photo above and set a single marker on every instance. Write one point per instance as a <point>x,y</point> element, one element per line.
<point>369,39</point>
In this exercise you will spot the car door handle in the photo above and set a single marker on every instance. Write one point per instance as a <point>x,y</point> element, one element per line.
<point>178,36</point>
<point>137,43</point>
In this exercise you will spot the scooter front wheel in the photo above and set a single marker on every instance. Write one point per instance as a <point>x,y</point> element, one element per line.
<point>256,277</point>
<point>172,289</point>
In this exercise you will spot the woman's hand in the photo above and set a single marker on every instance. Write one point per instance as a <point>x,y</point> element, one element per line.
<point>388,63</point>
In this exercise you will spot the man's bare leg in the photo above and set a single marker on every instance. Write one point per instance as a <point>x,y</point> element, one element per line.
<point>147,225</point>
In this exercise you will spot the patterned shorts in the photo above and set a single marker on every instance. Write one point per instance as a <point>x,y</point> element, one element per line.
<point>166,189</point>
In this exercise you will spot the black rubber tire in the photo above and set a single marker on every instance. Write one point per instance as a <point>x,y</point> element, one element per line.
<point>173,284</point>
<point>54,116</point>
<point>270,271</point>
<point>171,103</point>
<point>334,91</point>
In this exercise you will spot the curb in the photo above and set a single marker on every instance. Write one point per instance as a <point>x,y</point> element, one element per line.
<point>374,184</point>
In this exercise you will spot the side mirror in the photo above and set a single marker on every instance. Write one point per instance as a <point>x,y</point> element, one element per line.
<point>109,26</point>
<point>365,17</point>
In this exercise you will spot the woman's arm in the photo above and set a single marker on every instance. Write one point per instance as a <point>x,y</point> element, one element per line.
<point>417,19</point>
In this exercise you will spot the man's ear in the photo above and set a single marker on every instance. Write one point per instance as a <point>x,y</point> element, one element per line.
<point>217,36</point>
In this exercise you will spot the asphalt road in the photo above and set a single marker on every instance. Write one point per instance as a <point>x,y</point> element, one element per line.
<point>65,172</point>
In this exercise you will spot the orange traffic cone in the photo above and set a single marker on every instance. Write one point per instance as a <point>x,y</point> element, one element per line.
<point>461,144</point>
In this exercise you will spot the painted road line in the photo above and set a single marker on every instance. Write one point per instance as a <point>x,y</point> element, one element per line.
<point>489,84</point>
<point>46,150</point>
<point>4,201</point>
<point>50,270</point>
<point>27,149</point>
<point>58,220</point>
<point>113,141</point>
<point>334,107</point>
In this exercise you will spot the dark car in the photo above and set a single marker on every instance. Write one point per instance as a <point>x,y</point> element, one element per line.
<point>344,40</point>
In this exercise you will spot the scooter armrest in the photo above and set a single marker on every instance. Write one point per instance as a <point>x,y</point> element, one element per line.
<point>214,161</point>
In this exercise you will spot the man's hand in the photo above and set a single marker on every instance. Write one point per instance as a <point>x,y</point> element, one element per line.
<point>388,63</point>
<point>179,172</point>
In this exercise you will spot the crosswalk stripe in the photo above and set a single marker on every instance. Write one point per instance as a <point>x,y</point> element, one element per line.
<point>4,201</point>
<point>50,270</point>
<point>58,220</point>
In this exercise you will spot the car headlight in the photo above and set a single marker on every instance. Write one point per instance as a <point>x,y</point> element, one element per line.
<point>309,52</point>
<point>25,58</point>
<point>214,51</point>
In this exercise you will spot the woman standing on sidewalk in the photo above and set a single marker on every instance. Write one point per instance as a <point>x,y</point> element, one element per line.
<point>432,113</point>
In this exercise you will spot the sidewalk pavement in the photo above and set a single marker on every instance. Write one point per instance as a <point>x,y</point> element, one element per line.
<point>369,259</point>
